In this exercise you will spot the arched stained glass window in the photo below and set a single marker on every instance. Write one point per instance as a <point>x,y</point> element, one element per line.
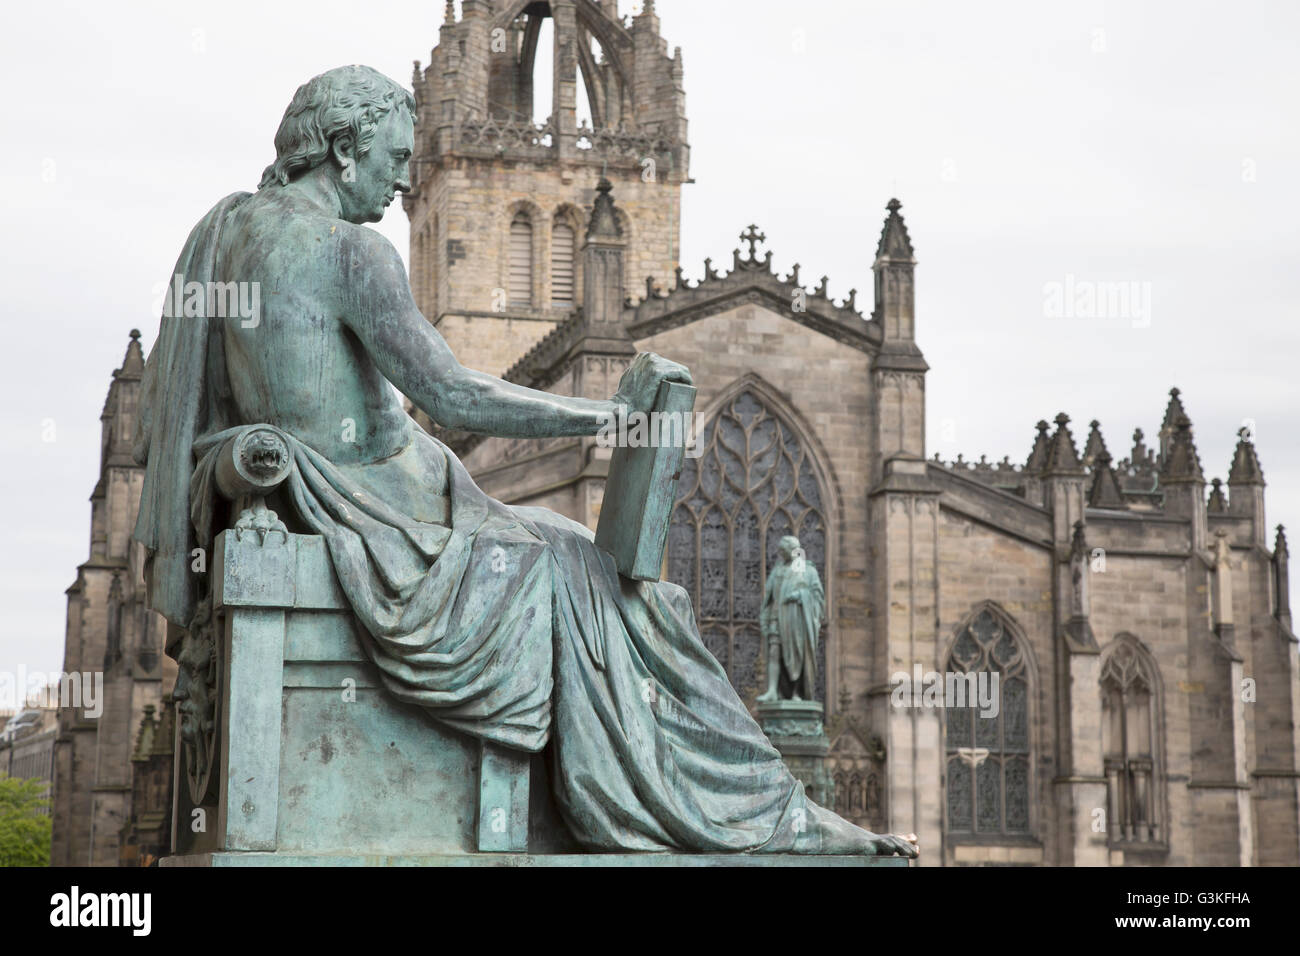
<point>989,756</point>
<point>1129,741</point>
<point>753,483</point>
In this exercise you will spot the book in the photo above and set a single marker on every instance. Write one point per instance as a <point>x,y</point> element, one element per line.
<point>642,484</point>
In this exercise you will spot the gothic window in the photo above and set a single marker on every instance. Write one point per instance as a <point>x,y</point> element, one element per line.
<point>416,274</point>
<point>157,791</point>
<point>752,484</point>
<point>147,654</point>
<point>419,267</point>
<point>1129,742</point>
<point>427,268</point>
<point>521,262</point>
<point>113,641</point>
<point>562,266</point>
<point>988,757</point>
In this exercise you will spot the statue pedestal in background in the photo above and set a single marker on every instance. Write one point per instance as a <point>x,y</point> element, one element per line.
<point>796,730</point>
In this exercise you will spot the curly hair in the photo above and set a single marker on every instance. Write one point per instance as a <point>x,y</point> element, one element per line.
<point>348,100</point>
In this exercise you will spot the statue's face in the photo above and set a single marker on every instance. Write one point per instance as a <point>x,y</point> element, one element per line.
<point>382,172</point>
<point>788,546</point>
<point>191,692</point>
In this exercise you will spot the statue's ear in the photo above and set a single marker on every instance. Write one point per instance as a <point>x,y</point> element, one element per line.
<point>343,150</point>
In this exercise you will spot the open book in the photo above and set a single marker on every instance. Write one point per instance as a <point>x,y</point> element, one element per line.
<point>642,484</point>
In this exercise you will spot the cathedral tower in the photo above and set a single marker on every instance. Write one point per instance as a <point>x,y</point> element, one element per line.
<point>502,193</point>
<point>111,636</point>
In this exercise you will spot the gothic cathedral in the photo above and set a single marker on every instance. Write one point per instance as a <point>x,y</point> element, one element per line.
<point>1138,626</point>
<point>1136,620</point>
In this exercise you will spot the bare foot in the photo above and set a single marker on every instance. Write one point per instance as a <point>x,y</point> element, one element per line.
<point>893,844</point>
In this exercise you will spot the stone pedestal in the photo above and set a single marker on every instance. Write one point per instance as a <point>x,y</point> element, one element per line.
<point>316,760</point>
<point>795,728</point>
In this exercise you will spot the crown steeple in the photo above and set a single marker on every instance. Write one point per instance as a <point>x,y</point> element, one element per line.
<point>508,165</point>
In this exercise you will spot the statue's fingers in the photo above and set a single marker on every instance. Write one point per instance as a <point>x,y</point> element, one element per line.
<point>660,368</point>
<point>671,371</point>
<point>676,371</point>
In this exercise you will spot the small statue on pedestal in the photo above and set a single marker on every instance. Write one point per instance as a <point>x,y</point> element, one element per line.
<point>794,605</point>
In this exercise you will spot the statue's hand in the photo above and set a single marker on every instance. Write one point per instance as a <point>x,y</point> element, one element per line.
<point>891,844</point>
<point>640,383</point>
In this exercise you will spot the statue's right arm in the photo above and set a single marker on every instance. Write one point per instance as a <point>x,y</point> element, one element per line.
<point>410,352</point>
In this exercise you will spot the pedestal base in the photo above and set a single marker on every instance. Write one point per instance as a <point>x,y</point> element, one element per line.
<point>795,729</point>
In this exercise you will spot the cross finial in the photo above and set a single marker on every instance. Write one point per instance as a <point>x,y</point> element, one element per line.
<point>752,236</point>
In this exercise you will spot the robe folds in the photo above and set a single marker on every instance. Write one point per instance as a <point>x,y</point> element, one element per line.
<point>505,623</point>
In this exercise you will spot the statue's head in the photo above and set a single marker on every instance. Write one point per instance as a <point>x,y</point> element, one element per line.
<point>788,546</point>
<point>357,127</point>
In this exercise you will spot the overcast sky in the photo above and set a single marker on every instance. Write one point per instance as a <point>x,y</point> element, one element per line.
<point>1030,143</point>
